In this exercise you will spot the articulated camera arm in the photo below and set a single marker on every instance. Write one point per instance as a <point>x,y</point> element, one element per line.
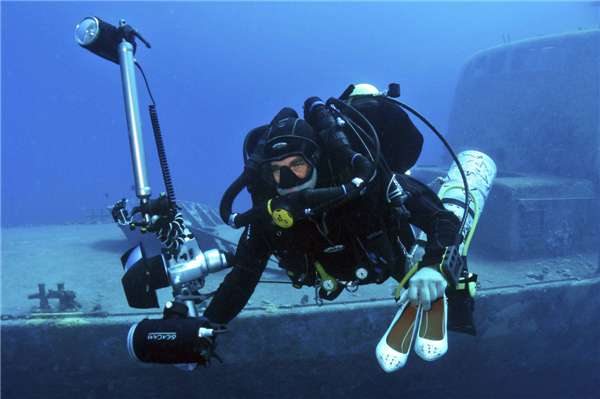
<point>181,337</point>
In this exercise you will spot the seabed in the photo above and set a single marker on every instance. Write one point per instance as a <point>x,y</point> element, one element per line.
<point>537,320</point>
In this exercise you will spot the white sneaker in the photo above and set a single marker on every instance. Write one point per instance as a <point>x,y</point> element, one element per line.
<point>392,350</point>
<point>432,340</point>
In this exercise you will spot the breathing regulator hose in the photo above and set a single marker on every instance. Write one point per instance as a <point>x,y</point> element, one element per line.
<point>226,204</point>
<point>252,164</point>
<point>397,196</point>
<point>449,148</point>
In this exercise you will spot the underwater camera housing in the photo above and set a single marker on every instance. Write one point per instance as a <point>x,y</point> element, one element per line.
<point>143,275</point>
<point>180,337</point>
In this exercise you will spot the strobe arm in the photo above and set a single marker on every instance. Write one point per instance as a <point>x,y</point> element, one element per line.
<point>118,45</point>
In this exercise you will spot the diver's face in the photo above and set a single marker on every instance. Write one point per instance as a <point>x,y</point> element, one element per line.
<point>296,163</point>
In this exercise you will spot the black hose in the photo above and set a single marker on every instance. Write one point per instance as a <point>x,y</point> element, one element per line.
<point>323,197</point>
<point>443,140</point>
<point>226,204</point>
<point>374,138</point>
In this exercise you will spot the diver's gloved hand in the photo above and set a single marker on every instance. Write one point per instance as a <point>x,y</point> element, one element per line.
<point>286,209</point>
<point>425,286</point>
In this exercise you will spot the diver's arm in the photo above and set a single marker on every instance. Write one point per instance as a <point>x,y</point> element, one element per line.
<point>442,227</point>
<point>238,286</point>
<point>428,214</point>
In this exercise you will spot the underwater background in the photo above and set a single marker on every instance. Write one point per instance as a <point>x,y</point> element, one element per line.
<point>217,70</point>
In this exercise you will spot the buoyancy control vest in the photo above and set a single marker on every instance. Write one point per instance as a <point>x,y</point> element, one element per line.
<point>358,243</point>
<point>352,242</point>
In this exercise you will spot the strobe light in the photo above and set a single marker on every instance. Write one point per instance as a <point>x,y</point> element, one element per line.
<point>86,32</point>
<point>99,37</point>
<point>103,39</point>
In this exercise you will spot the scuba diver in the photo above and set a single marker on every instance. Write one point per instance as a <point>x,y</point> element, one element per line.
<point>360,236</point>
<point>331,201</point>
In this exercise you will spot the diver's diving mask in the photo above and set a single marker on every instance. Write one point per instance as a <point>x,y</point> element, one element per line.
<point>287,175</point>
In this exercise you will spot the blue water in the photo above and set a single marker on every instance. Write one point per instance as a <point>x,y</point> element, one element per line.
<point>217,70</point>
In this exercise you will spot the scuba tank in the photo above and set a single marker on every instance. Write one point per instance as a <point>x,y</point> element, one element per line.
<point>481,171</point>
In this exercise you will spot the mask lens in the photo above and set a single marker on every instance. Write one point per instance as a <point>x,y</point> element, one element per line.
<point>289,179</point>
<point>289,172</point>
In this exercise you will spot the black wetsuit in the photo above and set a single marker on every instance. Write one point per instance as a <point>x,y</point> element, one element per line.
<point>361,234</point>
<point>360,238</point>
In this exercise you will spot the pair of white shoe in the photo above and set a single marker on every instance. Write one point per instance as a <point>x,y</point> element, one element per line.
<point>431,341</point>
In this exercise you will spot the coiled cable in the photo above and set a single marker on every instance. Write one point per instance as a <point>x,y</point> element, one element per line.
<point>162,156</point>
